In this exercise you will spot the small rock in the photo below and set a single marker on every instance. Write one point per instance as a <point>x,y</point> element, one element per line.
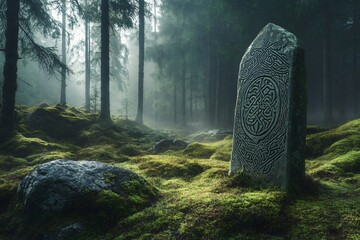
<point>209,136</point>
<point>169,144</point>
<point>44,105</point>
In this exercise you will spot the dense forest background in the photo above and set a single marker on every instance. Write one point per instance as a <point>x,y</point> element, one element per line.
<point>192,53</point>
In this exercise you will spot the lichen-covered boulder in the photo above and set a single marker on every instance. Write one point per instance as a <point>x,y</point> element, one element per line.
<point>84,187</point>
<point>169,144</point>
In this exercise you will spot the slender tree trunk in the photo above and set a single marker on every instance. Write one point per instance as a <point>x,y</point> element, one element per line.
<point>217,92</point>
<point>87,61</point>
<point>10,67</point>
<point>139,116</point>
<point>328,117</point>
<point>183,93</point>
<point>155,20</point>
<point>174,102</point>
<point>342,87</point>
<point>105,62</point>
<point>207,80</point>
<point>355,84</point>
<point>156,105</point>
<point>63,48</point>
<point>191,90</point>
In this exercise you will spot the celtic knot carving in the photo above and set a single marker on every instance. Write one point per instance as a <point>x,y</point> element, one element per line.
<point>260,109</point>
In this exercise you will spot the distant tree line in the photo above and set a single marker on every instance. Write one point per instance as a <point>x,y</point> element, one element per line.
<point>200,44</point>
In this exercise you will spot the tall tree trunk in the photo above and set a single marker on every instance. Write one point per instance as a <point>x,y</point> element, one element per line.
<point>105,62</point>
<point>10,67</point>
<point>217,93</point>
<point>139,116</point>
<point>87,61</point>
<point>174,102</point>
<point>342,87</point>
<point>183,93</point>
<point>328,117</point>
<point>191,89</point>
<point>355,84</point>
<point>63,48</point>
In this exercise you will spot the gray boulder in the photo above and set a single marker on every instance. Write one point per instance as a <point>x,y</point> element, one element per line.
<point>64,186</point>
<point>169,144</point>
<point>209,136</point>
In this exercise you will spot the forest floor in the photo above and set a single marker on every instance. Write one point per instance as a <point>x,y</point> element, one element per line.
<point>198,198</point>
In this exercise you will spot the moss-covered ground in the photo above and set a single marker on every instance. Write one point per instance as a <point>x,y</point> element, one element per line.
<point>198,198</point>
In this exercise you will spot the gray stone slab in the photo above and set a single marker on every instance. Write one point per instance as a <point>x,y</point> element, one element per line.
<point>270,113</point>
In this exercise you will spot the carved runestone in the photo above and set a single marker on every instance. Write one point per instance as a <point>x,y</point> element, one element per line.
<point>270,113</point>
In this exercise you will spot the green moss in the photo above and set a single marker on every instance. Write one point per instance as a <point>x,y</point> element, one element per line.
<point>129,150</point>
<point>20,146</point>
<point>60,122</point>
<point>48,156</point>
<point>109,177</point>
<point>169,167</point>
<point>197,150</point>
<point>102,153</point>
<point>316,144</point>
<point>326,171</point>
<point>8,162</point>
<point>349,162</point>
<point>325,218</point>
<point>344,145</point>
<point>221,155</point>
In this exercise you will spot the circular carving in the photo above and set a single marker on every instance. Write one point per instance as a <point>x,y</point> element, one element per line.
<point>261,107</point>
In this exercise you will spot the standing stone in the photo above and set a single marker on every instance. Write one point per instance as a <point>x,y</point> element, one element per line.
<point>270,114</point>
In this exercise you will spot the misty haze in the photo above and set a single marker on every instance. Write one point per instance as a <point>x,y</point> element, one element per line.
<point>179,119</point>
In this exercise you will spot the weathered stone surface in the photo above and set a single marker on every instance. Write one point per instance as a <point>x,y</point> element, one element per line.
<point>169,144</point>
<point>270,114</point>
<point>63,184</point>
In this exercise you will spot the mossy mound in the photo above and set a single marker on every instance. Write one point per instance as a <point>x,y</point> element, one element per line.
<point>198,150</point>
<point>169,167</point>
<point>59,122</point>
<point>21,146</point>
<point>104,153</point>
